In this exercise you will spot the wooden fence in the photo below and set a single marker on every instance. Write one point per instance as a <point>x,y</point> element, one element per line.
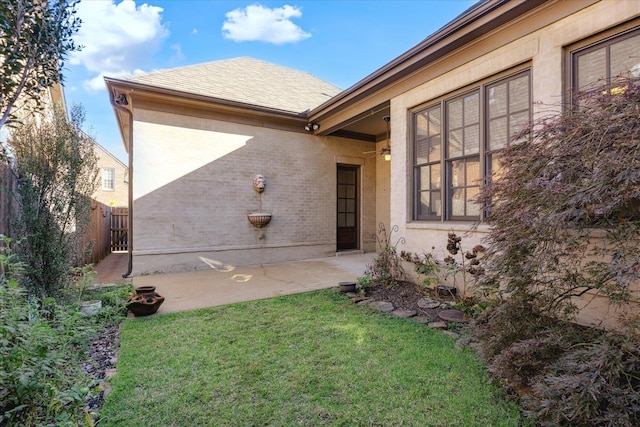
<point>97,234</point>
<point>119,229</point>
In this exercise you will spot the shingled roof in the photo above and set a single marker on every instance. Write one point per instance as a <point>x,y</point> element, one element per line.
<point>245,80</point>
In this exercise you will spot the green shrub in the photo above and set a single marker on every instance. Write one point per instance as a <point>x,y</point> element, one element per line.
<point>386,268</point>
<point>42,347</point>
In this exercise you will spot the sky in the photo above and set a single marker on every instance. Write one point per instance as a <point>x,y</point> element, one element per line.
<point>341,42</point>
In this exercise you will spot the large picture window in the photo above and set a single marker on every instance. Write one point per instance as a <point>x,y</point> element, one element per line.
<point>456,141</point>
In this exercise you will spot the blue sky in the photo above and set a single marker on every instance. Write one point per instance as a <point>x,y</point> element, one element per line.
<point>340,42</point>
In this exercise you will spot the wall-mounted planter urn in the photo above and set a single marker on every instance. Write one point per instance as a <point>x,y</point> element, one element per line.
<point>259,219</point>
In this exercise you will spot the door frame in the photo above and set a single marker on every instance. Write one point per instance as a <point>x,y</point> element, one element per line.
<point>356,169</point>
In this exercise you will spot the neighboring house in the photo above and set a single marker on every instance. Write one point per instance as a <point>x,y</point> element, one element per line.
<point>113,187</point>
<point>198,135</point>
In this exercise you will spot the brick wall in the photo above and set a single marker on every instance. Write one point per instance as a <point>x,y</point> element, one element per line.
<point>193,191</point>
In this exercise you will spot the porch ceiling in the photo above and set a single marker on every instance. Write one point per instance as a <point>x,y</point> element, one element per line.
<point>369,126</point>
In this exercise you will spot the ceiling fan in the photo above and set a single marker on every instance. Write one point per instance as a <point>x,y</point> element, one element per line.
<point>384,151</point>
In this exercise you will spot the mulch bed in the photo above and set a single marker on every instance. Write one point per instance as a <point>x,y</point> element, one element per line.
<point>405,296</point>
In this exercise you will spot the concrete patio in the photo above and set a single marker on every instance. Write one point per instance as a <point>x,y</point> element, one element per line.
<point>221,284</point>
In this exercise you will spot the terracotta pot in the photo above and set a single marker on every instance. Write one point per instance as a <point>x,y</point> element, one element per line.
<point>145,301</point>
<point>347,287</point>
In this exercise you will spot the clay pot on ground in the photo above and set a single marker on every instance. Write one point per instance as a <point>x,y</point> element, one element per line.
<point>145,301</point>
<point>347,287</point>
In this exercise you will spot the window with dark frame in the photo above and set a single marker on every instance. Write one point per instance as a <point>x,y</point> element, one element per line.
<point>606,62</point>
<point>456,141</point>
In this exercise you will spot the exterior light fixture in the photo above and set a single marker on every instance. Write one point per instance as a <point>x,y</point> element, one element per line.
<point>310,127</point>
<point>386,151</point>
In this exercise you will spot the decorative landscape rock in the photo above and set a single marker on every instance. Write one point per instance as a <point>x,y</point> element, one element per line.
<point>428,303</point>
<point>438,325</point>
<point>385,306</point>
<point>404,313</point>
<point>453,315</point>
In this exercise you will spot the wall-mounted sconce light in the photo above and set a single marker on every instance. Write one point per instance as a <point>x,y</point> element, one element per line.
<point>386,151</point>
<point>310,127</point>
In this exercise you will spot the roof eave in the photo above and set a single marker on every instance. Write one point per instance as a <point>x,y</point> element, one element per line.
<point>129,87</point>
<point>476,20</point>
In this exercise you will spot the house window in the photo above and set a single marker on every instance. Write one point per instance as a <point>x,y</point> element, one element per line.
<point>108,179</point>
<point>606,62</point>
<point>456,141</point>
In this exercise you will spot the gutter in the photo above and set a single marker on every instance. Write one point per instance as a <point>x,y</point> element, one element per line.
<point>118,105</point>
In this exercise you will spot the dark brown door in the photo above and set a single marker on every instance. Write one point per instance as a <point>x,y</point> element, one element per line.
<point>347,207</point>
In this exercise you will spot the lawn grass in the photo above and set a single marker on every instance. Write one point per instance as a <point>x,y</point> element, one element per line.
<point>301,360</point>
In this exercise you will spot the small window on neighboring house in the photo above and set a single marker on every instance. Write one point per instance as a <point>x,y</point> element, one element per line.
<point>456,141</point>
<point>607,62</point>
<point>108,179</point>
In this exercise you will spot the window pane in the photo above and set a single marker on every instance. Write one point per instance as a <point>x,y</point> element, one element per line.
<point>424,178</point>
<point>497,170</point>
<point>351,205</point>
<point>435,177</point>
<point>472,139</point>
<point>455,114</point>
<point>422,138</point>
<point>473,172</point>
<point>347,177</point>
<point>457,173</point>
<point>342,220</point>
<point>351,191</point>
<point>436,203</point>
<point>342,191</point>
<point>434,121</point>
<point>350,220</point>
<point>434,148</point>
<point>473,208</point>
<point>497,98</point>
<point>342,205</point>
<point>455,143</point>
<point>592,68</point>
<point>422,151</point>
<point>519,94</point>
<point>471,109</point>
<point>425,204</point>
<point>498,136</point>
<point>517,122</point>
<point>458,202</point>
<point>624,55</point>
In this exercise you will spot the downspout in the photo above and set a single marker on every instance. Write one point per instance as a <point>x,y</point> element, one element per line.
<point>118,103</point>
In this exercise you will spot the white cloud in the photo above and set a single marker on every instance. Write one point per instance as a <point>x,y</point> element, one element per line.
<point>259,23</point>
<point>177,56</point>
<point>116,37</point>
